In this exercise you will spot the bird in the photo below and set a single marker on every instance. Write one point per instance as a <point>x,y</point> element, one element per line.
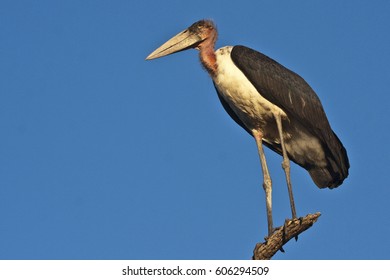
<point>276,106</point>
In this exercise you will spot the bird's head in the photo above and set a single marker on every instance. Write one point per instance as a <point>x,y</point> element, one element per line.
<point>199,35</point>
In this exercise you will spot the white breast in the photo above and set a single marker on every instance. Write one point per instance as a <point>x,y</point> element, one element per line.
<point>253,110</point>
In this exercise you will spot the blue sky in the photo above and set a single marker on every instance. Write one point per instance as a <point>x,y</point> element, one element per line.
<point>104,155</point>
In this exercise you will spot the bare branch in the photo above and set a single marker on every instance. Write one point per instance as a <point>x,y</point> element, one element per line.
<point>275,242</point>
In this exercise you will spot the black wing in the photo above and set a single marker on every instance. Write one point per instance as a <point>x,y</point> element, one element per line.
<point>293,95</point>
<point>283,88</point>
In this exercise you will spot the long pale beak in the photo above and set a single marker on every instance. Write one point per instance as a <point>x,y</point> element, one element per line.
<point>182,41</point>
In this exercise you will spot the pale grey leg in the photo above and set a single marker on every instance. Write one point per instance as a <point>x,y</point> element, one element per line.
<point>267,183</point>
<point>286,165</point>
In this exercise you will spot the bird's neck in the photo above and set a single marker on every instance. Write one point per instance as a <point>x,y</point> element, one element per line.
<point>207,56</point>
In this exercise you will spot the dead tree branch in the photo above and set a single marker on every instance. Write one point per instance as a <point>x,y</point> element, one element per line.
<point>275,242</point>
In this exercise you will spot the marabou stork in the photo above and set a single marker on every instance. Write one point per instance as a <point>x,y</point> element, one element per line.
<point>273,104</point>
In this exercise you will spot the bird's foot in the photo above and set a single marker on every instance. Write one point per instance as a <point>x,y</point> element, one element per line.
<point>271,232</point>
<point>288,222</point>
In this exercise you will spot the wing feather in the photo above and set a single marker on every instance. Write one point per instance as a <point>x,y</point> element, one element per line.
<point>296,98</point>
<point>284,88</point>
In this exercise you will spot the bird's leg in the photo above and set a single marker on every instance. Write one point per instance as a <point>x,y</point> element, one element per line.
<point>267,183</point>
<point>286,165</point>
